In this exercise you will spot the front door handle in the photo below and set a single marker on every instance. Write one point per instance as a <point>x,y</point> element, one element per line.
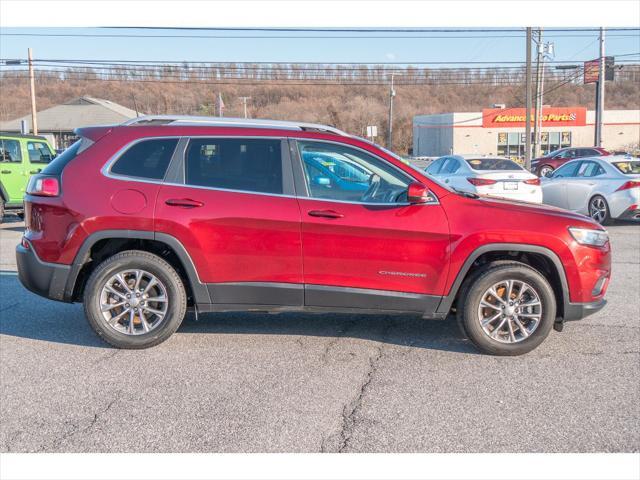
<point>5,171</point>
<point>325,214</point>
<point>183,203</point>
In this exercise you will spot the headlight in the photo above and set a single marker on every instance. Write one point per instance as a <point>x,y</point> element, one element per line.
<point>586,236</point>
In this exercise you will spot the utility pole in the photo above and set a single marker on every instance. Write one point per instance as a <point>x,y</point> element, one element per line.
<point>544,50</point>
<point>538,107</point>
<point>527,148</point>
<point>600,93</point>
<point>32,82</point>
<point>244,101</point>
<point>392,93</point>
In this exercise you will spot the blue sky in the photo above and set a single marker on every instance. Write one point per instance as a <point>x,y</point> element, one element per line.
<point>579,46</point>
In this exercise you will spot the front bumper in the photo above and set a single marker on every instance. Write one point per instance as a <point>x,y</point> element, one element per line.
<point>45,279</point>
<point>578,311</point>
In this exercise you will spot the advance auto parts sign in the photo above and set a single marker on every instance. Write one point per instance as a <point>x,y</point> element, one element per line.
<point>551,116</point>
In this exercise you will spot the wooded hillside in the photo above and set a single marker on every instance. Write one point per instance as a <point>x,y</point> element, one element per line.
<point>348,97</point>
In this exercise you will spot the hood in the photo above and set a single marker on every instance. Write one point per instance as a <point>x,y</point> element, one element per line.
<point>536,208</point>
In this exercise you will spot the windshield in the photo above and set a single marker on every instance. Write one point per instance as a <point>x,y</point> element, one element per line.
<point>555,152</point>
<point>492,164</point>
<point>631,167</point>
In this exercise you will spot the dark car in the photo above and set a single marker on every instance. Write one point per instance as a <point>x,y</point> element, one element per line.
<point>145,220</point>
<point>543,166</point>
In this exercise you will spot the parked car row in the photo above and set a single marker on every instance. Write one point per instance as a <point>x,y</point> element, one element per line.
<point>589,181</point>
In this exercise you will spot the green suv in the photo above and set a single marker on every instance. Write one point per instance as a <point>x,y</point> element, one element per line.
<point>20,157</point>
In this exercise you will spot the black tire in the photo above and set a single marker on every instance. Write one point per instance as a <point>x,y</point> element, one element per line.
<point>601,201</point>
<point>479,282</point>
<point>545,170</point>
<point>1,209</point>
<point>135,259</point>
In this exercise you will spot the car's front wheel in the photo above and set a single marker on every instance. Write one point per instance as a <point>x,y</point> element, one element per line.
<point>599,210</point>
<point>135,299</point>
<point>506,308</point>
<point>546,170</point>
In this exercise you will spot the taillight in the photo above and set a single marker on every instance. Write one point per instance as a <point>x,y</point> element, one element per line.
<point>533,181</point>
<point>44,186</point>
<point>478,182</point>
<point>628,185</point>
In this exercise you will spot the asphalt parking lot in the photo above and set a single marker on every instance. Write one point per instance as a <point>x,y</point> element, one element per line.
<point>312,383</point>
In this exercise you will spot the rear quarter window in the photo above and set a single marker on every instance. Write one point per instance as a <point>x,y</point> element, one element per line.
<point>631,167</point>
<point>146,159</point>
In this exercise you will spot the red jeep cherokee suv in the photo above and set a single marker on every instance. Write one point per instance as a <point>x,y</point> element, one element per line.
<point>145,220</point>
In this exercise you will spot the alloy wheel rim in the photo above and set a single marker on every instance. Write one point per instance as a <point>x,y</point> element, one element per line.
<point>545,171</point>
<point>510,311</point>
<point>598,209</point>
<point>134,302</point>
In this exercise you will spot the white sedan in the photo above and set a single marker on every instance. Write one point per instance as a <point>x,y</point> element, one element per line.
<point>605,188</point>
<point>493,176</point>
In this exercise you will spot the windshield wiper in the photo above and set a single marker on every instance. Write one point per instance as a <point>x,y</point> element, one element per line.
<point>465,194</point>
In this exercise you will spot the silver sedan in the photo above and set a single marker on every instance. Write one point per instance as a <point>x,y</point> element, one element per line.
<point>604,188</point>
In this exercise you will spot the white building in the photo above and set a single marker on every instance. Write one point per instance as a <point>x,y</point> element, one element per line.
<point>502,131</point>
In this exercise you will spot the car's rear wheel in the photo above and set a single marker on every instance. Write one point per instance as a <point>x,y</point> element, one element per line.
<point>506,308</point>
<point>1,209</point>
<point>135,299</point>
<point>546,170</point>
<point>599,210</point>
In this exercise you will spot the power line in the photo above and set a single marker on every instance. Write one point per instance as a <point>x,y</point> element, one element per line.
<point>409,30</point>
<point>283,37</point>
<point>279,63</point>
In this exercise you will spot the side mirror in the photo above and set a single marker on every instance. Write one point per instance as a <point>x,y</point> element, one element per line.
<point>419,193</point>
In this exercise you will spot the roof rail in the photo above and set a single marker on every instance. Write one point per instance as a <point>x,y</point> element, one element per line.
<point>231,122</point>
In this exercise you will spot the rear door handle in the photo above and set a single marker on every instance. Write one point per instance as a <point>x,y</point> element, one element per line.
<point>35,171</point>
<point>325,214</point>
<point>183,202</point>
<point>5,171</point>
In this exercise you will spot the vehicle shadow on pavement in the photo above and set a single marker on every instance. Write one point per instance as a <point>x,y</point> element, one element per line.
<point>25,315</point>
<point>401,330</point>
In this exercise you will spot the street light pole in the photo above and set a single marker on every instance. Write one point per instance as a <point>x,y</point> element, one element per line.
<point>32,82</point>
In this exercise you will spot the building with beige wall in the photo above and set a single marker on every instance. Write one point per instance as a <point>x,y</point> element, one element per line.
<point>502,131</point>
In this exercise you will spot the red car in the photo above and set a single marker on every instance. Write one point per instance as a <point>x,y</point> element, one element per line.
<point>543,166</point>
<point>148,219</point>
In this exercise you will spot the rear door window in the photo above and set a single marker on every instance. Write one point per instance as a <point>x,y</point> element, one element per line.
<point>10,151</point>
<point>589,169</point>
<point>146,159</point>
<point>39,152</point>
<point>250,165</point>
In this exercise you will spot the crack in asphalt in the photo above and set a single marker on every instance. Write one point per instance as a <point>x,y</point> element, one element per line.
<point>75,427</point>
<point>351,409</point>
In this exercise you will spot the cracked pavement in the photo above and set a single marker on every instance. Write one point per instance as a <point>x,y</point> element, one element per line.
<point>311,383</point>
